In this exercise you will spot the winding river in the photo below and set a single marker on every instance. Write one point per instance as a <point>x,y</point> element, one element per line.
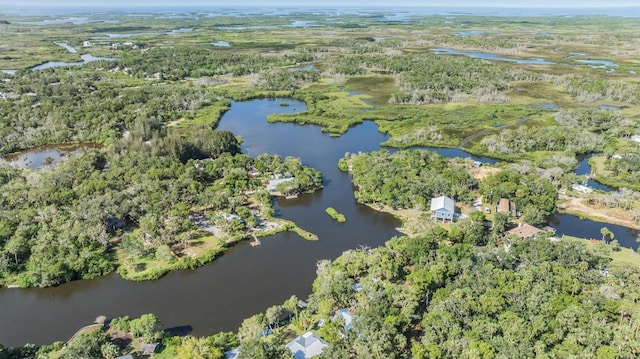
<point>245,280</point>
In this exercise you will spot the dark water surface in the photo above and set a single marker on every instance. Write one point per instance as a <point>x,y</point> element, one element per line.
<point>246,280</point>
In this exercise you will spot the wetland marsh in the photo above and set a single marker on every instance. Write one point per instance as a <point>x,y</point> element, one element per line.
<point>522,94</point>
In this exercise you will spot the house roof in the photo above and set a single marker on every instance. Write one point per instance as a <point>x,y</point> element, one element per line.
<point>271,186</point>
<point>524,231</point>
<point>128,356</point>
<point>232,354</point>
<point>306,346</point>
<point>148,349</point>
<point>442,202</point>
<point>346,315</point>
<point>504,205</point>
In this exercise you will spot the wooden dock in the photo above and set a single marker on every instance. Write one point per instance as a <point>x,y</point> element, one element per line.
<point>256,241</point>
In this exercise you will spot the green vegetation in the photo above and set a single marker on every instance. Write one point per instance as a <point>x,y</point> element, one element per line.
<point>425,297</point>
<point>534,196</point>
<point>336,215</point>
<point>142,208</point>
<point>407,178</point>
<point>620,256</point>
<point>169,192</point>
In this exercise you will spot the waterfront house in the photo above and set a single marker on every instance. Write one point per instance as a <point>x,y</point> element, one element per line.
<point>306,346</point>
<point>442,209</point>
<point>524,231</point>
<point>148,349</point>
<point>581,188</point>
<point>271,186</point>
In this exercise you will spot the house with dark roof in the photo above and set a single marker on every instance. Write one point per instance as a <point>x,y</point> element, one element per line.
<point>148,349</point>
<point>306,346</point>
<point>506,206</point>
<point>524,231</point>
<point>442,209</point>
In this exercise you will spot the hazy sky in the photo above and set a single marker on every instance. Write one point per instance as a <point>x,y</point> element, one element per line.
<point>267,3</point>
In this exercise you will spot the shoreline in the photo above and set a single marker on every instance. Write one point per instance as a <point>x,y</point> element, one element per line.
<point>575,206</point>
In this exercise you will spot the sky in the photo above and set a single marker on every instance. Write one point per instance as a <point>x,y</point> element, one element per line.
<point>267,3</point>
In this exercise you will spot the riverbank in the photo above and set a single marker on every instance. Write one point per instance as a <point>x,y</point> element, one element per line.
<point>600,173</point>
<point>202,249</point>
<point>414,221</point>
<point>576,206</point>
<point>618,255</point>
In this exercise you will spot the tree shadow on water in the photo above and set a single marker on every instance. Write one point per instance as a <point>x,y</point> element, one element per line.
<point>180,331</point>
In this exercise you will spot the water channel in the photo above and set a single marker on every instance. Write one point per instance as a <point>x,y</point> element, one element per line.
<point>245,280</point>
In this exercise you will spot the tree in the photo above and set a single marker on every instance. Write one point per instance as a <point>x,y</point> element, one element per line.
<point>198,348</point>
<point>144,327</point>
<point>87,345</point>
<point>109,350</point>
<point>606,232</point>
<point>274,314</point>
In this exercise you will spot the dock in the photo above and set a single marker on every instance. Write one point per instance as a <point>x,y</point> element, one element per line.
<point>256,242</point>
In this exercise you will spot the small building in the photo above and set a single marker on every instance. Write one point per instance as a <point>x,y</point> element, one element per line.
<point>271,186</point>
<point>148,349</point>
<point>635,138</point>
<point>442,209</point>
<point>581,188</point>
<point>87,44</point>
<point>477,164</point>
<point>306,346</point>
<point>345,314</point>
<point>524,231</point>
<point>232,354</point>
<point>506,206</point>
<point>128,356</point>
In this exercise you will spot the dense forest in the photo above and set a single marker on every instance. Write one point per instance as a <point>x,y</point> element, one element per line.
<point>407,178</point>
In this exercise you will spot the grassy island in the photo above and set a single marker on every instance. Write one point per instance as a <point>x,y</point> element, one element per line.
<point>336,215</point>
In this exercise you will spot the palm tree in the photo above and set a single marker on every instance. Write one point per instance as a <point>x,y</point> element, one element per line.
<point>606,232</point>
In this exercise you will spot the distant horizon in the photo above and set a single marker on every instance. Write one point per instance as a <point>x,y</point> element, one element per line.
<point>542,4</point>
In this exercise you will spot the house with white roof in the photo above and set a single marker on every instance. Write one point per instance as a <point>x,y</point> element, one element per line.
<point>306,346</point>
<point>442,209</point>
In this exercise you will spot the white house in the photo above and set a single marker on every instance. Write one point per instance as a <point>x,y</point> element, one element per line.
<point>442,209</point>
<point>271,186</point>
<point>635,138</point>
<point>582,189</point>
<point>306,346</point>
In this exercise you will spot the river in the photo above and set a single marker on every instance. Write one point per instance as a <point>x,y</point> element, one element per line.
<point>245,280</point>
